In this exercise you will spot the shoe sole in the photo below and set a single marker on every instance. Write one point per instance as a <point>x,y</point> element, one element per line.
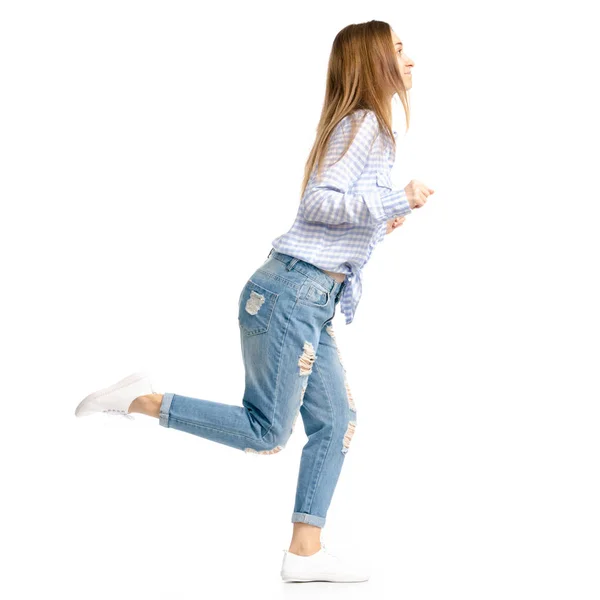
<point>290,578</point>
<point>133,378</point>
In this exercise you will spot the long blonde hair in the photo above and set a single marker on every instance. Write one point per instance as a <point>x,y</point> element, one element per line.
<point>363,73</point>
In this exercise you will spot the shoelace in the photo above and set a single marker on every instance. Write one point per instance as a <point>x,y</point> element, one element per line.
<point>116,412</point>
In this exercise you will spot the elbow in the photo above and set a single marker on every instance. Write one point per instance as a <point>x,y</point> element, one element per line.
<point>311,208</point>
<point>305,213</point>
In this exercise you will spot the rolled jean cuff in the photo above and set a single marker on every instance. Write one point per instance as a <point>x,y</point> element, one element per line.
<point>299,517</point>
<point>165,407</point>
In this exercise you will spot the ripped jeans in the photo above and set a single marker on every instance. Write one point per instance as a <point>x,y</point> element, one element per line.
<point>292,366</point>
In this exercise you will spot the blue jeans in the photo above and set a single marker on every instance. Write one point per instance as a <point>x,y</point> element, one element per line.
<point>292,366</point>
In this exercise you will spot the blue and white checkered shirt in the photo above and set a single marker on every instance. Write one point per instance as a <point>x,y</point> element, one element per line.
<point>344,216</point>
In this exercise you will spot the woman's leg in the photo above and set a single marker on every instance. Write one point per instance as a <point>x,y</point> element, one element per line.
<point>269,336</point>
<point>279,334</point>
<point>329,418</point>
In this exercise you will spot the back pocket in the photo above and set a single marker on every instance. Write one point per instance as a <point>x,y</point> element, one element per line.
<point>256,308</point>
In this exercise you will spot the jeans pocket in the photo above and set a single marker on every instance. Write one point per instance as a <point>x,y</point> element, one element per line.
<point>313,295</point>
<point>256,306</point>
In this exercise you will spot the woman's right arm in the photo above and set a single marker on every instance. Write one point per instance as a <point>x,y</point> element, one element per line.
<point>328,200</point>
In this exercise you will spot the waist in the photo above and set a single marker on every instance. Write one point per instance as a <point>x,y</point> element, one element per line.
<point>323,276</point>
<point>339,277</point>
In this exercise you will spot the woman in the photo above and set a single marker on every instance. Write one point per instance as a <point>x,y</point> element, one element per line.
<point>292,364</point>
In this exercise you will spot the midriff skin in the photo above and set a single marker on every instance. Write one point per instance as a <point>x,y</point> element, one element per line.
<point>339,277</point>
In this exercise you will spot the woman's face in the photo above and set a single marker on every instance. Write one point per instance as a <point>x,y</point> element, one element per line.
<point>404,62</point>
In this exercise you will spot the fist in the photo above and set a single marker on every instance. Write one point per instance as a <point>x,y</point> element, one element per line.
<point>417,193</point>
<point>394,223</point>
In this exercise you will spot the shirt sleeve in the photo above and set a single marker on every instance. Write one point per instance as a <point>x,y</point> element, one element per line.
<point>327,200</point>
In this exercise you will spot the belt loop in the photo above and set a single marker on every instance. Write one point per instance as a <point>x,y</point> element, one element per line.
<point>270,252</point>
<point>291,264</point>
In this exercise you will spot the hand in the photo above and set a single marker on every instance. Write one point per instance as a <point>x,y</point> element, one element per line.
<point>417,193</point>
<point>394,224</point>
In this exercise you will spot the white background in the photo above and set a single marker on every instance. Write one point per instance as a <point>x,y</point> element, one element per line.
<point>150,153</point>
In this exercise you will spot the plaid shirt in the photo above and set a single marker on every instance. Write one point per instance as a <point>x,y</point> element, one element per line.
<point>342,217</point>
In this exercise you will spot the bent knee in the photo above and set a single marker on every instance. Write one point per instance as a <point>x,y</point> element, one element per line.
<point>270,444</point>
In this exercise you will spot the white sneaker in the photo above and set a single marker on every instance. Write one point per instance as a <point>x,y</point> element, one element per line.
<point>321,566</point>
<point>116,399</point>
